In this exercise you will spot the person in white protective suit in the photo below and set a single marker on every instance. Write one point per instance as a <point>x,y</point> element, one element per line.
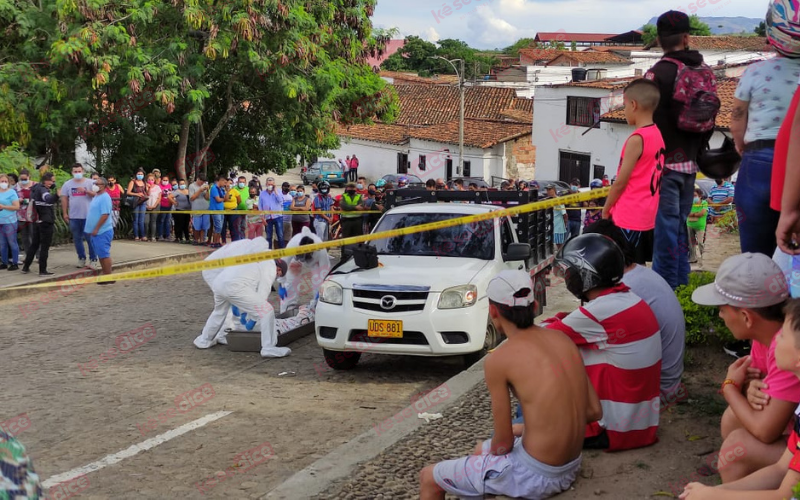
<point>243,291</point>
<point>305,274</point>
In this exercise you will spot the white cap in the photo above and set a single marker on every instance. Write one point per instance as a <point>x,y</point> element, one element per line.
<point>507,288</point>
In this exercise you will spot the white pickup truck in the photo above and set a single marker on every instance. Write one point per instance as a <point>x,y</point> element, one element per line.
<point>427,297</point>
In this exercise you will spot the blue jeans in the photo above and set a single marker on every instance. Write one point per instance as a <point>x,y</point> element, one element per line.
<point>671,236</point>
<point>163,223</point>
<point>277,225</point>
<point>757,222</point>
<point>138,221</point>
<point>8,239</point>
<point>573,228</point>
<point>235,224</point>
<point>78,235</point>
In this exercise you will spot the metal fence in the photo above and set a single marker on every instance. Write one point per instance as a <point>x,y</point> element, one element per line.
<point>62,235</point>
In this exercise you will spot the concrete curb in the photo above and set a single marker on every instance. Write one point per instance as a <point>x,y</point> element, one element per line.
<point>341,462</point>
<point>126,266</point>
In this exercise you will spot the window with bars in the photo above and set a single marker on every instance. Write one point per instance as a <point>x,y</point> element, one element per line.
<point>583,111</point>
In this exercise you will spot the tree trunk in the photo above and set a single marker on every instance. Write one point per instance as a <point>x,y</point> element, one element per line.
<point>180,162</point>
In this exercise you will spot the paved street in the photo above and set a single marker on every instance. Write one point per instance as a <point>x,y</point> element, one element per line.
<point>80,416</point>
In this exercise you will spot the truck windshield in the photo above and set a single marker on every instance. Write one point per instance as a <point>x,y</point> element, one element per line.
<point>474,240</point>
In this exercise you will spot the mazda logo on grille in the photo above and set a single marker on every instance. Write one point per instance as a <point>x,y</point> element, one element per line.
<point>388,302</point>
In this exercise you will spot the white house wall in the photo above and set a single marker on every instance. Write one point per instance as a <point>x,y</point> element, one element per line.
<point>375,159</point>
<point>551,136</point>
<point>483,162</point>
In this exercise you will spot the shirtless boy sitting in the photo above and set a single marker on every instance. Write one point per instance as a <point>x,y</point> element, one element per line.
<point>545,371</point>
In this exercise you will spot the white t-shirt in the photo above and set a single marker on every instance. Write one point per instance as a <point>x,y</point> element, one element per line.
<point>769,87</point>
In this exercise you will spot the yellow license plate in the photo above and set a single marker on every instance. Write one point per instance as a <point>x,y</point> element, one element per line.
<point>385,328</point>
<point>331,175</point>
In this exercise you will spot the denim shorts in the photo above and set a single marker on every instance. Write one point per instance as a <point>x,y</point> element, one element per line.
<point>102,244</point>
<point>201,222</point>
<point>218,220</point>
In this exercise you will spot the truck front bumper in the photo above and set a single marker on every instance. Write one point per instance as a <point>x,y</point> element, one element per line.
<point>428,332</point>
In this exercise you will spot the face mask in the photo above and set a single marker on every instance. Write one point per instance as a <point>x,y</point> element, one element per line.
<point>111,183</point>
<point>292,193</point>
<point>270,188</point>
<point>285,190</point>
<point>174,187</point>
<point>359,186</point>
<point>151,181</point>
<point>24,182</point>
<point>96,188</point>
<point>165,183</point>
<point>79,175</point>
<point>183,186</point>
<point>139,177</point>
<point>696,200</point>
<point>3,185</point>
<point>372,192</point>
<point>300,194</point>
<point>315,190</point>
<point>324,190</point>
<point>351,192</point>
<point>573,188</point>
<point>242,185</point>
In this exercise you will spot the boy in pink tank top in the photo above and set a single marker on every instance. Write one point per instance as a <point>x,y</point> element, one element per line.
<point>632,202</point>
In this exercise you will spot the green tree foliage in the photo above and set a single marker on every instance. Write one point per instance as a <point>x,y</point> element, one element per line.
<point>265,79</point>
<point>522,43</point>
<point>697,27</point>
<point>419,56</point>
<point>761,29</point>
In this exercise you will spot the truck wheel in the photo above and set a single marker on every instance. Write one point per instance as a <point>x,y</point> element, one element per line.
<point>491,341</point>
<point>339,360</point>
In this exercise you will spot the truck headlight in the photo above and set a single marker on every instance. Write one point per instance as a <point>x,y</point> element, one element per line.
<point>458,296</point>
<point>331,292</point>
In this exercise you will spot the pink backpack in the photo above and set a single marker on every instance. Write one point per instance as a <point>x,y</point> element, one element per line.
<point>696,90</point>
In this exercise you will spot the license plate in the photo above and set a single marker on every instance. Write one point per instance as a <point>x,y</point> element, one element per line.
<point>385,328</point>
<point>331,175</point>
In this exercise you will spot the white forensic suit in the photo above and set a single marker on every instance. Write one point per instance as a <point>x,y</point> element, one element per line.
<point>315,267</point>
<point>242,291</point>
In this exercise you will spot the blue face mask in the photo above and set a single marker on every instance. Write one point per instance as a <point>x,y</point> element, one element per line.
<point>573,188</point>
<point>79,175</point>
<point>242,185</point>
<point>292,193</point>
<point>139,177</point>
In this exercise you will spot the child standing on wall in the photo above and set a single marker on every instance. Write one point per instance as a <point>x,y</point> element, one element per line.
<point>632,202</point>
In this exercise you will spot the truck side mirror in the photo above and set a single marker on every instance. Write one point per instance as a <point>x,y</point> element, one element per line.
<point>517,251</point>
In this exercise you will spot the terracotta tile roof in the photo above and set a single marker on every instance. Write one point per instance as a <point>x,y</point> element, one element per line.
<point>477,133</point>
<point>590,58</point>
<point>400,78</point>
<point>726,87</point>
<point>613,48</point>
<point>606,83</point>
<point>732,43</point>
<point>422,105</point>
<point>573,37</point>
<point>539,54</point>
<point>379,132</point>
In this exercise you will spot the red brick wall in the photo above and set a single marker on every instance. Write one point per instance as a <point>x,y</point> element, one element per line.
<point>522,157</point>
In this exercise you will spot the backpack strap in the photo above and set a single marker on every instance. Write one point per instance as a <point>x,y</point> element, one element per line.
<point>678,63</point>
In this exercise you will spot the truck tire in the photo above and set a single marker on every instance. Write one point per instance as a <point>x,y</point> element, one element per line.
<point>339,360</point>
<point>492,340</point>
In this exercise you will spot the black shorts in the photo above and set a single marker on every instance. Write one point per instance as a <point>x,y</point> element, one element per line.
<point>641,245</point>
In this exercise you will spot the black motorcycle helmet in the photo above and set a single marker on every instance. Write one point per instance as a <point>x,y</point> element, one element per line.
<point>720,163</point>
<point>324,187</point>
<point>589,261</point>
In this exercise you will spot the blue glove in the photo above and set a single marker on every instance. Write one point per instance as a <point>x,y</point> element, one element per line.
<point>250,325</point>
<point>236,311</point>
<point>243,318</point>
<point>282,293</point>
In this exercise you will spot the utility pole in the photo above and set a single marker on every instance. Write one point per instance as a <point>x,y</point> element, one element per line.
<point>461,87</point>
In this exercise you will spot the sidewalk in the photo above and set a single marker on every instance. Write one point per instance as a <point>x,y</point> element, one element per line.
<point>125,254</point>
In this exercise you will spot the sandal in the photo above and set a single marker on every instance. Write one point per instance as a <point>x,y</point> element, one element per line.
<point>144,239</point>
<point>137,239</point>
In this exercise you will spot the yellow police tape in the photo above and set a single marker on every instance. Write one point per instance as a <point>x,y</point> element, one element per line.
<point>204,265</point>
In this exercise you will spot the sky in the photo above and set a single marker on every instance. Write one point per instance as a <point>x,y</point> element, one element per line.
<point>489,24</point>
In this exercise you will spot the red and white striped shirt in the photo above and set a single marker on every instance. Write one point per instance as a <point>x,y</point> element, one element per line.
<point>620,341</point>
